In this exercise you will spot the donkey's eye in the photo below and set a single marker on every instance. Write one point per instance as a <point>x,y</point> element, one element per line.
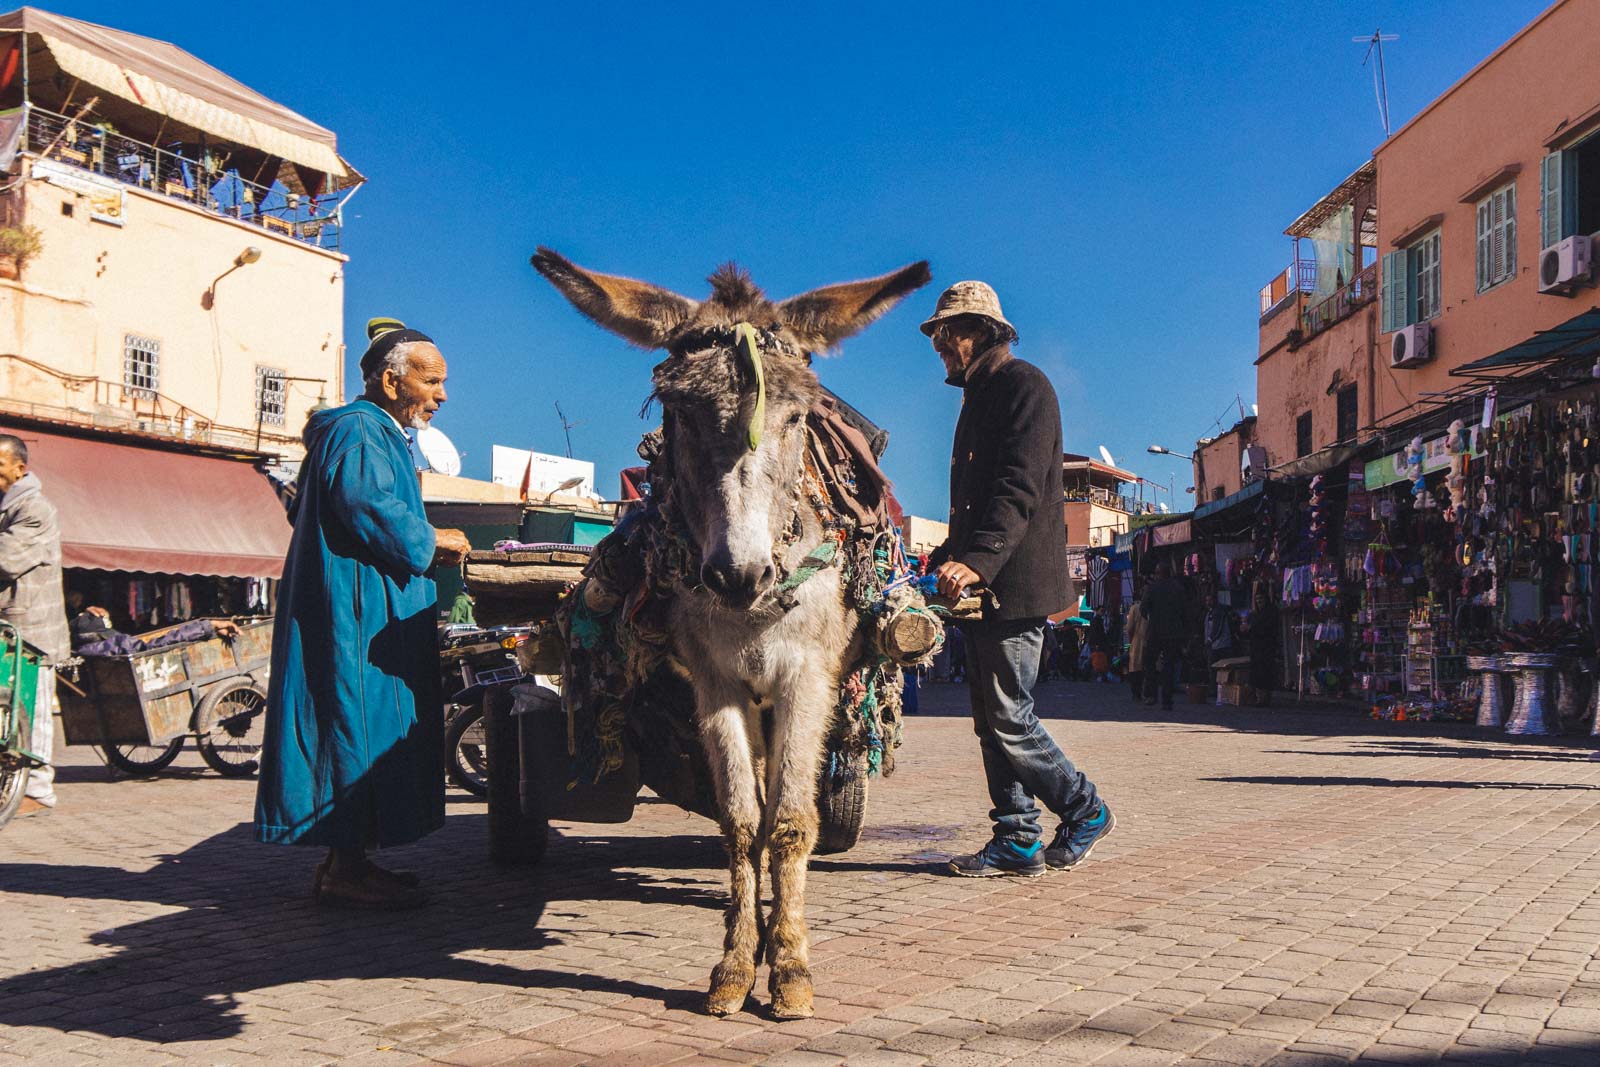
<point>795,419</point>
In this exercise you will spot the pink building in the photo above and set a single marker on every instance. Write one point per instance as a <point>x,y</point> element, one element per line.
<point>1490,205</point>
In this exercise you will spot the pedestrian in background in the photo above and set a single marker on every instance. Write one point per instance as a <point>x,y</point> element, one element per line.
<point>354,753</point>
<point>32,601</point>
<point>1165,611</point>
<point>1006,518</point>
<point>1138,645</point>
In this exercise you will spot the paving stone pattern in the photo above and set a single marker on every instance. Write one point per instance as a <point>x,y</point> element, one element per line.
<point>1285,887</point>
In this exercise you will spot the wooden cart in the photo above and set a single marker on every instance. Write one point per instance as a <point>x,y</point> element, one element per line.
<point>139,708</point>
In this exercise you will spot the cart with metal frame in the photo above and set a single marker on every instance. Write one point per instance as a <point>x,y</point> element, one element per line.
<point>139,708</point>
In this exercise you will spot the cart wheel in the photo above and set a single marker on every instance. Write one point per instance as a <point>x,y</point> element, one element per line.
<point>230,726</point>
<point>841,805</point>
<point>466,761</point>
<point>141,761</point>
<point>13,784</point>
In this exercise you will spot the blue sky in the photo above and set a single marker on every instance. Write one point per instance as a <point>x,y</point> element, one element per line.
<point>1121,173</point>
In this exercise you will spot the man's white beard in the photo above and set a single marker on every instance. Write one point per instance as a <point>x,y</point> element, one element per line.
<point>419,421</point>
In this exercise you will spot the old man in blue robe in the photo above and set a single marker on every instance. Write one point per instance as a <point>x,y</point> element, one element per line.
<point>353,758</point>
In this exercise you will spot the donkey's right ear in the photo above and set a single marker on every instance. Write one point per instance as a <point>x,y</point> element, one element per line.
<point>642,313</point>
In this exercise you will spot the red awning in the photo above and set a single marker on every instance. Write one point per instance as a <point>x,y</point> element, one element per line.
<point>128,508</point>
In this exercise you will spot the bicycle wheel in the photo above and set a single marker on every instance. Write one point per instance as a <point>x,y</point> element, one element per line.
<point>141,761</point>
<point>13,784</point>
<point>466,764</point>
<point>230,728</point>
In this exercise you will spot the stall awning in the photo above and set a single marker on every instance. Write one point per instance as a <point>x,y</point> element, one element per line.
<point>1249,492</point>
<point>1578,336</point>
<point>128,508</point>
<point>164,78</point>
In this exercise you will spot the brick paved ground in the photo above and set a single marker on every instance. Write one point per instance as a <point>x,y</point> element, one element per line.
<point>1285,888</point>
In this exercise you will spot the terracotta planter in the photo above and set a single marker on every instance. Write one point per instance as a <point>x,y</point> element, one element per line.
<point>9,267</point>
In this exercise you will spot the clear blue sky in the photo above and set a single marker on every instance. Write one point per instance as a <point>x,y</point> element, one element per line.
<point>1121,173</point>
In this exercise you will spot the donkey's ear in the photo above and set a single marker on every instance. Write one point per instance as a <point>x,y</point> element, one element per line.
<point>823,317</point>
<point>642,313</point>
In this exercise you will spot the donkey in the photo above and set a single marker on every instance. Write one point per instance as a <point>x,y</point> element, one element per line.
<point>735,389</point>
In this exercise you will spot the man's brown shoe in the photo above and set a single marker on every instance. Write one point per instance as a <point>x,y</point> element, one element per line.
<point>368,894</point>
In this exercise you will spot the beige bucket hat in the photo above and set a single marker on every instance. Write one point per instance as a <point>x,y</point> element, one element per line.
<point>967,298</point>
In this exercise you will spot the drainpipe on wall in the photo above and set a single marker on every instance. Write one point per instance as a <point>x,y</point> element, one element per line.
<point>1372,370</point>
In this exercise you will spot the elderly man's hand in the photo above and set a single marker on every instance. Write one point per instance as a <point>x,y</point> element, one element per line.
<point>953,579</point>
<point>450,547</point>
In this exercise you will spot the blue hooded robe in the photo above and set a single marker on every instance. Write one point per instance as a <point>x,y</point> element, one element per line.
<point>354,752</point>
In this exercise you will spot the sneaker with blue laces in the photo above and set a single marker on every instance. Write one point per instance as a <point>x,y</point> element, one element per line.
<point>1072,844</point>
<point>999,858</point>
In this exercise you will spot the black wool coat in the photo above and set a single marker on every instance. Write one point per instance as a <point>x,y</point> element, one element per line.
<point>1007,520</point>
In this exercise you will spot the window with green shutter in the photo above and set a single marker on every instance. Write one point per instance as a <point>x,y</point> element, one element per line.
<point>1394,289</point>
<point>1497,237</point>
<point>1423,260</point>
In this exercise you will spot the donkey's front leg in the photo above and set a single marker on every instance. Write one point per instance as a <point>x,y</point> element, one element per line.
<point>801,720</point>
<point>729,741</point>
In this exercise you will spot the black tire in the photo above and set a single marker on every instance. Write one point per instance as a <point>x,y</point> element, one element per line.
<point>13,787</point>
<point>466,761</point>
<point>841,805</point>
<point>231,727</point>
<point>141,761</point>
<point>515,838</point>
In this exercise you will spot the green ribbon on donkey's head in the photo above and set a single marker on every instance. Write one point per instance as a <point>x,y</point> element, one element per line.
<point>744,339</point>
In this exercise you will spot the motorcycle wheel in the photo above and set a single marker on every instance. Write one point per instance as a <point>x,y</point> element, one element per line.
<point>141,761</point>
<point>466,756</point>
<point>230,728</point>
<point>13,786</point>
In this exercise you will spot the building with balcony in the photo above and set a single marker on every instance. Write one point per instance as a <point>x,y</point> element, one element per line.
<point>1477,272</point>
<point>1098,503</point>
<point>171,308</point>
<point>181,273</point>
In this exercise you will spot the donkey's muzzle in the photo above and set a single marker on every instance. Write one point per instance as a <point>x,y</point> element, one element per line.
<point>737,586</point>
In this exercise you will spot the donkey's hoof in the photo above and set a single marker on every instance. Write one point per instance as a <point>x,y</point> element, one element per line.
<point>730,988</point>
<point>791,991</point>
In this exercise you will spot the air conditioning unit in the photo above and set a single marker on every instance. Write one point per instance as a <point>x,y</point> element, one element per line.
<point>1411,346</point>
<point>1565,265</point>
<point>1253,464</point>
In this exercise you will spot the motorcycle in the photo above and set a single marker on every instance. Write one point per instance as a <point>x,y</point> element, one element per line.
<point>471,659</point>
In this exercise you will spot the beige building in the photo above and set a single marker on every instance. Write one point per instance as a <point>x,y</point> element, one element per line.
<point>187,281</point>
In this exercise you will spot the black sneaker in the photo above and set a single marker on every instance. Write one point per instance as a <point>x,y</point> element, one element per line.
<point>1001,857</point>
<point>1072,845</point>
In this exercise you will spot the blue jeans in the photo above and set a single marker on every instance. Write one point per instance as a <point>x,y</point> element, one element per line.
<point>1020,759</point>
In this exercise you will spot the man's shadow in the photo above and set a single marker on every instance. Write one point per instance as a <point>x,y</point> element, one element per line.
<point>242,920</point>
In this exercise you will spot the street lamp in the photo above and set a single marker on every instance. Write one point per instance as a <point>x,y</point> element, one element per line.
<point>250,255</point>
<point>570,483</point>
<point>1157,450</point>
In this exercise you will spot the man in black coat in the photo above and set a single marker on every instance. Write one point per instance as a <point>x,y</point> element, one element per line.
<point>1165,608</point>
<point>1008,534</point>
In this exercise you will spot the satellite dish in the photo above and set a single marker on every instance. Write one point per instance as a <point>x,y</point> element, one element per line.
<point>1105,454</point>
<point>438,451</point>
<point>1164,509</point>
<point>1254,410</point>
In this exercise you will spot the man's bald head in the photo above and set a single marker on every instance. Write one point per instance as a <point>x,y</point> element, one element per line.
<point>13,460</point>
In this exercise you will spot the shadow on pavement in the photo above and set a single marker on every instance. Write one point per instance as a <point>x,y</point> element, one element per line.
<point>242,919</point>
<point>1538,749</point>
<point>1394,783</point>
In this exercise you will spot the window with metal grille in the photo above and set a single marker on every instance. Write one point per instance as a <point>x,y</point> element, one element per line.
<point>1302,434</point>
<point>271,396</point>
<point>1497,237</point>
<point>1345,416</point>
<point>141,365</point>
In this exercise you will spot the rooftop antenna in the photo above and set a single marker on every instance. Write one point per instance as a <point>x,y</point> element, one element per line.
<point>1380,80</point>
<point>567,427</point>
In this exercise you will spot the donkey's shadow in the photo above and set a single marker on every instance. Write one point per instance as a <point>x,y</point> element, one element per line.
<point>239,925</point>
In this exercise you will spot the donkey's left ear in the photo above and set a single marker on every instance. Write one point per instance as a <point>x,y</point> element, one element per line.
<point>823,317</point>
